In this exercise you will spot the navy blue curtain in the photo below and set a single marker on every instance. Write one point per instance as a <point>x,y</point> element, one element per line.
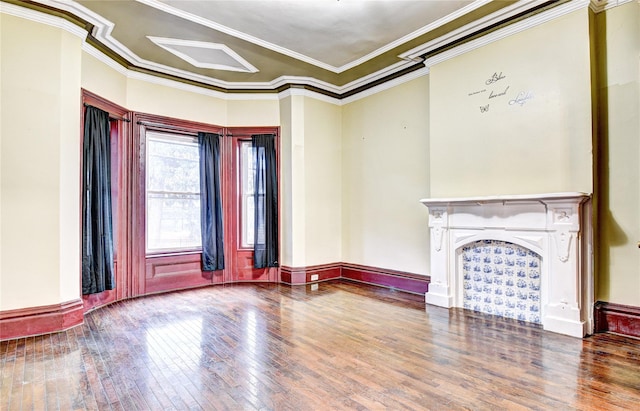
<point>97,231</point>
<point>266,201</point>
<point>210,202</point>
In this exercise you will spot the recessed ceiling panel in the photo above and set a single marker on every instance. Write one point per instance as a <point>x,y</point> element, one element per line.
<point>205,55</point>
<point>333,32</point>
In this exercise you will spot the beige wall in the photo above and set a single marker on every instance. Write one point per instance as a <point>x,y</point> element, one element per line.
<point>261,111</point>
<point>322,182</point>
<point>146,97</point>
<point>617,34</point>
<point>100,79</point>
<point>286,184</point>
<point>489,146</point>
<point>292,199</point>
<point>310,176</point>
<point>40,154</point>
<point>152,98</point>
<point>385,163</point>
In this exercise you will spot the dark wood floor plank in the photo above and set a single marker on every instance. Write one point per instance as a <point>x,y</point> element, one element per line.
<point>344,346</point>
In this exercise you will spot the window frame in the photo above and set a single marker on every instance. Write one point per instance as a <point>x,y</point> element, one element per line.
<point>143,124</point>
<point>155,135</point>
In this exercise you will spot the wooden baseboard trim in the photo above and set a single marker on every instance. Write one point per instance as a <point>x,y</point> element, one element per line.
<point>26,322</point>
<point>408,282</point>
<point>302,275</point>
<point>59,317</point>
<point>617,318</point>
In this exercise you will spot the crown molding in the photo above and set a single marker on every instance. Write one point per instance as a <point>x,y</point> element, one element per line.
<point>388,77</point>
<point>386,85</point>
<point>299,91</point>
<point>599,6</point>
<point>424,30</point>
<point>509,30</point>
<point>474,27</point>
<point>44,18</point>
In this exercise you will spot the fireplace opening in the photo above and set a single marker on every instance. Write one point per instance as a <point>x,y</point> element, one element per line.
<point>501,278</point>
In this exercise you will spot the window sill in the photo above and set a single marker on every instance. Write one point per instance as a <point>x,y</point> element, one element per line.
<point>162,254</point>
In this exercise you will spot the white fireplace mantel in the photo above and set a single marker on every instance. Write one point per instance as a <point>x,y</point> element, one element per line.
<point>557,226</point>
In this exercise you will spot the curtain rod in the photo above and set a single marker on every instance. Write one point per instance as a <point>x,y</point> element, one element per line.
<point>248,134</point>
<point>168,127</point>
<point>111,116</point>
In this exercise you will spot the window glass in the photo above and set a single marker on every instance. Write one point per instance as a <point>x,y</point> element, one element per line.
<point>172,192</point>
<point>248,167</point>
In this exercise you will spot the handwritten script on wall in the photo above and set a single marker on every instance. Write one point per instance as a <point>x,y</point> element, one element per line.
<point>498,91</point>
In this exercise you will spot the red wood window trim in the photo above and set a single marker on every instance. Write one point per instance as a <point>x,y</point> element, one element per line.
<point>136,272</point>
<point>121,167</point>
<point>171,270</point>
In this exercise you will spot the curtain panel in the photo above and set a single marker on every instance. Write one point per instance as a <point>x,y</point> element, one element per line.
<point>210,202</point>
<point>266,201</point>
<point>97,231</point>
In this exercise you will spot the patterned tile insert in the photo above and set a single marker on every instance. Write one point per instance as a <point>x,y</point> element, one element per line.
<point>501,278</point>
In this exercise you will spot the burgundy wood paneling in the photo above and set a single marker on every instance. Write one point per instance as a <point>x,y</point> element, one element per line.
<point>617,318</point>
<point>40,320</point>
<point>302,275</point>
<point>174,272</point>
<point>413,283</point>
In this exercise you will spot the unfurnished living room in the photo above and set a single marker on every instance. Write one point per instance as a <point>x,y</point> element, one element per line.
<point>319,205</point>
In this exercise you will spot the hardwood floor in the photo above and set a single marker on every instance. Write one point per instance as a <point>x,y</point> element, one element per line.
<point>342,346</point>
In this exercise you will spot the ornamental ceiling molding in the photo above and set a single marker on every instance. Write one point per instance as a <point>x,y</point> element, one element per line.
<point>601,5</point>
<point>205,54</point>
<point>278,88</point>
<point>518,27</point>
<point>103,29</point>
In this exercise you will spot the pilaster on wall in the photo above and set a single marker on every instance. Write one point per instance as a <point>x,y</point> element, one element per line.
<point>39,195</point>
<point>292,175</point>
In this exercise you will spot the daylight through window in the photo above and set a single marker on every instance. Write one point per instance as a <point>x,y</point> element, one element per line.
<point>172,192</point>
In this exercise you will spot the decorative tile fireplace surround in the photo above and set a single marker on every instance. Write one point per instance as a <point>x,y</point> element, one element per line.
<point>527,257</point>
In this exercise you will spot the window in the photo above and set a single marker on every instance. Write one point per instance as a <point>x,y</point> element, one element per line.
<point>247,188</point>
<point>172,192</point>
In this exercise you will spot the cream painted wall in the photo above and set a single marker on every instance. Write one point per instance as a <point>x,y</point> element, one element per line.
<point>103,80</point>
<point>322,182</point>
<point>385,163</point>
<point>286,203</point>
<point>618,42</point>
<point>310,181</point>
<point>40,140</point>
<point>161,100</point>
<point>264,111</point>
<point>483,145</point>
<point>292,199</point>
<point>107,82</point>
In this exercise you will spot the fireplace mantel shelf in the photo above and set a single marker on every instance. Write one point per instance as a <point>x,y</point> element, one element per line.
<point>504,198</point>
